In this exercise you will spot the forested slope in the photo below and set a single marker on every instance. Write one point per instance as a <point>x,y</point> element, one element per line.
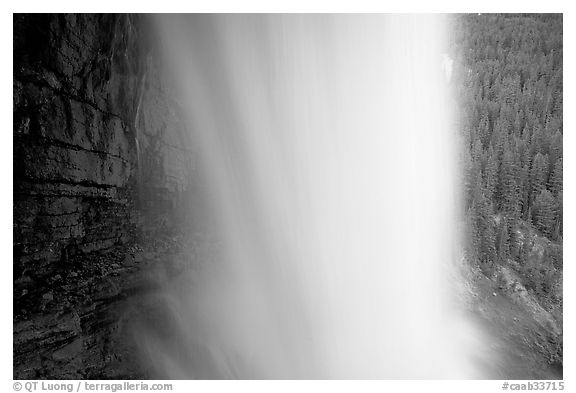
<point>508,80</point>
<point>511,87</point>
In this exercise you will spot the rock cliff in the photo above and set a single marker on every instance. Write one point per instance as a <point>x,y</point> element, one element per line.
<point>101,161</point>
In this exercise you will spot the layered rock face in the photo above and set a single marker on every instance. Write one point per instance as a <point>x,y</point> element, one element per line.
<point>74,140</point>
<point>100,158</point>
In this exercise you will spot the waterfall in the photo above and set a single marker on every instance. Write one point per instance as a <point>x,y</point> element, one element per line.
<point>327,172</point>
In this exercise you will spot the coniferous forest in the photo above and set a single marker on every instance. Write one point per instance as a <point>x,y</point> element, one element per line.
<point>509,86</point>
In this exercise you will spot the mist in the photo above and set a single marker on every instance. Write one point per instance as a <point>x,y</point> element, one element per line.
<point>328,179</point>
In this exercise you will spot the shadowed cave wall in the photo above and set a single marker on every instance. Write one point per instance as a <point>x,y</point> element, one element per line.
<point>101,165</point>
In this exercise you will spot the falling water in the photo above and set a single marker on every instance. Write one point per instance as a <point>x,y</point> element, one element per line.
<point>326,156</point>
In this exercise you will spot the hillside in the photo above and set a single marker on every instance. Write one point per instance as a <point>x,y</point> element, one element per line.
<point>509,84</point>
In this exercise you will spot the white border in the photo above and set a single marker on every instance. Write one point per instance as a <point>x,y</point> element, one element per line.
<point>294,6</point>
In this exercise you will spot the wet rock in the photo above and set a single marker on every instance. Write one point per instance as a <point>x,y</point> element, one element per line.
<point>77,191</point>
<point>69,350</point>
<point>24,280</point>
<point>48,297</point>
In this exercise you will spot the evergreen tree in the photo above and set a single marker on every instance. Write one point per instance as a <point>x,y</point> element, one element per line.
<point>484,132</point>
<point>484,231</point>
<point>508,189</point>
<point>556,147</point>
<point>558,230</point>
<point>539,174</point>
<point>544,215</point>
<point>503,245</point>
<point>555,181</point>
<point>491,174</point>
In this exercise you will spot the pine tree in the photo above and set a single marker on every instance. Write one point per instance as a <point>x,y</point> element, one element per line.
<point>503,245</point>
<point>515,242</point>
<point>555,181</point>
<point>556,147</point>
<point>484,132</point>
<point>544,214</point>
<point>491,174</point>
<point>517,124</point>
<point>508,188</point>
<point>539,174</point>
<point>474,172</point>
<point>500,135</point>
<point>524,190</point>
<point>484,233</point>
<point>538,137</point>
<point>559,230</point>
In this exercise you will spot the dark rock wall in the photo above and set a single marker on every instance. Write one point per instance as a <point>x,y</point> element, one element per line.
<point>95,134</point>
<point>100,157</point>
<point>74,154</point>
